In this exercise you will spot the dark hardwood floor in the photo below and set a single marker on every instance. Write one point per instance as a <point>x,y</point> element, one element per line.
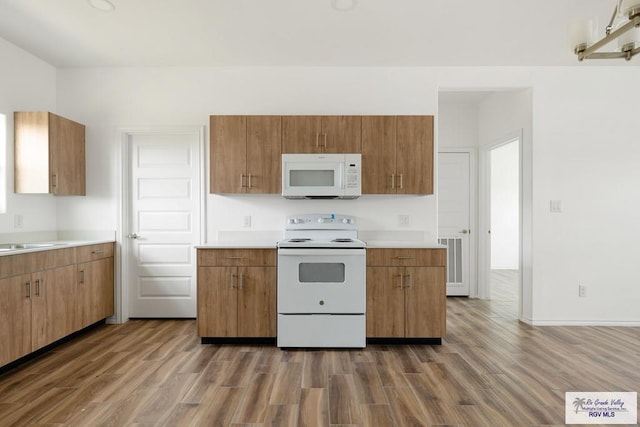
<point>490,370</point>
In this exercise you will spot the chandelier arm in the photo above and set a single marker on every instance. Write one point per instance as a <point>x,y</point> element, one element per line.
<point>591,50</point>
<point>613,17</point>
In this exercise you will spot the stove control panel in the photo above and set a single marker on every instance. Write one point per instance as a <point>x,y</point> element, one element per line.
<point>321,221</point>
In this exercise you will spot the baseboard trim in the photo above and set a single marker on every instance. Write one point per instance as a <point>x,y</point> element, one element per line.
<point>617,323</point>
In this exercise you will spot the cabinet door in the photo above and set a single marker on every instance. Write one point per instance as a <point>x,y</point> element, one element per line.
<point>15,318</point>
<point>53,305</point>
<point>378,154</point>
<point>385,302</point>
<point>414,161</point>
<point>341,134</point>
<point>95,291</point>
<point>67,156</point>
<point>301,134</point>
<point>31,152</point>
<point>217,301</point>
<point>425,302</point>
<point>257,302</point>
<point>228,154</point>
<point>264,149</point>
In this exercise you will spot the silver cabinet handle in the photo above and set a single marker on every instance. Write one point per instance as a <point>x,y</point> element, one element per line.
<point>242,185</point>
<point>28,286</point>
<point>132,236</point>
<point>400,181</point>
<point>404,257</point>
<point>249,181</point>
<point>317,140</point>
<point>233,284</point>
<point>393,181</point>
<point>54,180</point>
<point>81,276</point>
<point>325,141</point>
<point>410,281</point>
<point>38,287</point>
<point>401,284</point>
<point>235,257</point>
<point>241,285</point>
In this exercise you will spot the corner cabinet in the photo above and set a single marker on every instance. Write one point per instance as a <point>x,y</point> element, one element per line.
<point>397,155</point>
<point>406,293</point>
<point>49,154</point>
<point>236,293</point>
<point>43,296</point>
<point>245,154</point>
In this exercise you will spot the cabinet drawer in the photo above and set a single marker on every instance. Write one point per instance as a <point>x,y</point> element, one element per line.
<point>93,252</point>
<point>15,265</point>
<point>236,257</point>
<point>407,257</point>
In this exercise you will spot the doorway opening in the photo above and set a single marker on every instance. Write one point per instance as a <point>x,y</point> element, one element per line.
<point>505,224</point>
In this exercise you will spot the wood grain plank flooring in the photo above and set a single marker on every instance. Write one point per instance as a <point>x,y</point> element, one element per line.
<point>490,370</point>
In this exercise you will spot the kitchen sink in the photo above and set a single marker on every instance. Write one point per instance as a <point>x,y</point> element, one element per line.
<point>4,247</point>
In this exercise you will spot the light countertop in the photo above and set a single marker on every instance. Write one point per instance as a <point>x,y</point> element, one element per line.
<point>55,244</point>
<point>272,245</point>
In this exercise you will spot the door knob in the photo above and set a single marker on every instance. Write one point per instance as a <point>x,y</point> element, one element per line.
<point>133,236</point>
<point>465,231</point>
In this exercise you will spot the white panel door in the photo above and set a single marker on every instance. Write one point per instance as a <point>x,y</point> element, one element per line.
<point>454,218</point>
<point>164,223</point>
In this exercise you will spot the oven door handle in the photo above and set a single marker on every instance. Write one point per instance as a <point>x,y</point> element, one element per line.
<point>320,252</point>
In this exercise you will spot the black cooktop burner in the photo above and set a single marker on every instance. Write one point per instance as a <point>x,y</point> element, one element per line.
<point>342,240</point>
<point>299,240</point>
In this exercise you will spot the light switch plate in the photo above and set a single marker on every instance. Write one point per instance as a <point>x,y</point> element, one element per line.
<point>404,220</point>
<point>555,206</point>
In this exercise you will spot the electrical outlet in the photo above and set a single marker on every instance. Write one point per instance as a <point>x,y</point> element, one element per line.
<point>247,221</point>
<point>18,221</point>
<point>582,291</point>
<point>404,220</point>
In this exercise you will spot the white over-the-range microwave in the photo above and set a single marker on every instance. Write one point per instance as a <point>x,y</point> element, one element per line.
<point>321,176</point>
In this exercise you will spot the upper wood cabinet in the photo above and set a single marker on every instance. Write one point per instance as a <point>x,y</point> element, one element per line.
<point>397,154</point>
<point>245,154</point>
<point>321,134</point>
<point>49,154</point>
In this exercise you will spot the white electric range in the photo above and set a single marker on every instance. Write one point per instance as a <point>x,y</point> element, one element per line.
<point>321,283</point>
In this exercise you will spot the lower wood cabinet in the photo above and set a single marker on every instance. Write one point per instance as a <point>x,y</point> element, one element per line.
<point>15,318</point>
<point>53,305</point>
<point>95,283</point>
<point>236,293</point>
<point>47,295</point>
<point>406,293</point>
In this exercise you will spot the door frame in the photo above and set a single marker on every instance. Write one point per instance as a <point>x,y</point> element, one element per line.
<point>473,212</point>
<point>122,262</point>
<point>484,217</point>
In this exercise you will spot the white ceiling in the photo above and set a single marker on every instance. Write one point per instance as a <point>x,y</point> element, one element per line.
<point>70,33</point>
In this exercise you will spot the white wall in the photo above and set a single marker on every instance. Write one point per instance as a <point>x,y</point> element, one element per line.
<point>457,124</point>
<point>26,84</point>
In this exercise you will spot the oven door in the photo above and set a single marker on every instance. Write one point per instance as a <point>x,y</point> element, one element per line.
<point>321,281</point>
